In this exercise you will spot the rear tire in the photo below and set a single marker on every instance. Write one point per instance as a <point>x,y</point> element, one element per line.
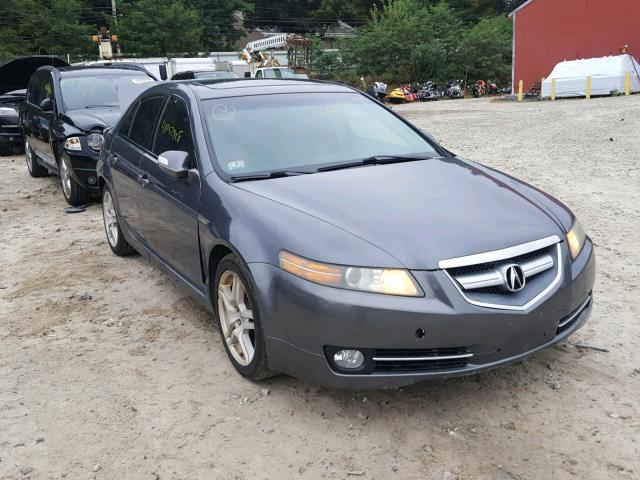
<point>238,316</point>
<point>115,238</point>
<point>74,193</point>
<point>35,169</point>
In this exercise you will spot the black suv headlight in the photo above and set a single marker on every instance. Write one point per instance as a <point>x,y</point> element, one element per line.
<point>95,141</point>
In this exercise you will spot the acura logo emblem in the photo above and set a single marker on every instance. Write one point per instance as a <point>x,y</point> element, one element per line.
<point>514,278</point>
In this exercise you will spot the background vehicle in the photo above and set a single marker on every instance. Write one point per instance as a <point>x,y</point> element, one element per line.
<point>428,91</point>
<point>454,90</point>
<point>63,118</point>
<point>479,89</point>
<point>204,74</point>
<point>377,90</point>
<point>10,135</point>
<point>348,299</point>
<point>14,78</point>
<point>262,65</point>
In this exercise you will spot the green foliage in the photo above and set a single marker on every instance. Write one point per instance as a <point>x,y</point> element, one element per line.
<point>217,20</point>
<point>407,40</point>
<point>160,27</point>
<point>44,27</point>
<point>485,51</point>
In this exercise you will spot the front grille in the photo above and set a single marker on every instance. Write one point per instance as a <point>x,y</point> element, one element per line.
<point>419,360</point>
<point>487,277</point>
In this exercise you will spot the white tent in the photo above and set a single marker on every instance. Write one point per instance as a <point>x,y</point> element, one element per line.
<point>608,75</point>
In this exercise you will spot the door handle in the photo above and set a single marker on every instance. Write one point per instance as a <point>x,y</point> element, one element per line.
<point>113,159</point>
<point>144,181</point>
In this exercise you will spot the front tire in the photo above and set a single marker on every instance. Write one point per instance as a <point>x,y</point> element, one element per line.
<point>74,193</point>
<point>35,169</point>
<point>239,319</point>
<point>117,242</point>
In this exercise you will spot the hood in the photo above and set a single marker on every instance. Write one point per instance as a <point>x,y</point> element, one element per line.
<point>93,118</point>
<point>420,212</point>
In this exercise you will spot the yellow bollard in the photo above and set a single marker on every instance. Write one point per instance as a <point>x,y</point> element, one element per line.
<point>553,89</point>
<point>588,87</point>
<point>520,85</point>
<point>627,84</point>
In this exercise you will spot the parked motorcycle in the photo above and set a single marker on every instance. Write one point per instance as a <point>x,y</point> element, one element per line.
<point>492,88</point>
<point>454,90</point>
<point>377,90</point>
<point>428,91</point>
<point>479,89</point>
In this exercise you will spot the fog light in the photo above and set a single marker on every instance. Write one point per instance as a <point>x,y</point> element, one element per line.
<point>92,180</point>
<point>348,358</point>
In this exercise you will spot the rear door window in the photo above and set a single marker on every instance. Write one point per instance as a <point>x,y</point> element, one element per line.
<point>127,120</point>
<point>144,123</point>
<point>174,130</point>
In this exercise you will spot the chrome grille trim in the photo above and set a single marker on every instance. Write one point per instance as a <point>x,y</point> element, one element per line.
<point>495,278</point>
<point>531,302</point>
<point>576,313</point>
<point>495,255</point>
<point>420,359</point>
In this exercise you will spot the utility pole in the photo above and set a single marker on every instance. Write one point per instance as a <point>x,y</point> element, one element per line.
<point>114,14</point>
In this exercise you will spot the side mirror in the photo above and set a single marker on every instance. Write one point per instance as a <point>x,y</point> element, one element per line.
<point>46,105</point>
<point>174,163</point>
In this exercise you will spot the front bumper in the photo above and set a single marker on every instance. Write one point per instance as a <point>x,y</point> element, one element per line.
<point>83,168</point>
<point>302,321</point>
<point>10,134</point>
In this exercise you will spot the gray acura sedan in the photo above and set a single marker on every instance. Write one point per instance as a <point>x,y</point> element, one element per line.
<point>333,240</point>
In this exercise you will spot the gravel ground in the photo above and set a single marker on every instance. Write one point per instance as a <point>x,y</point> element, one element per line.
<point>133,383</point>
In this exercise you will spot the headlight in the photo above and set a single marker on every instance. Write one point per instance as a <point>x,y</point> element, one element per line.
<point>8,112</point>
<point>575,239</point>
<point>95,141</point>
<point>377,280</point>
<point>73,143</point>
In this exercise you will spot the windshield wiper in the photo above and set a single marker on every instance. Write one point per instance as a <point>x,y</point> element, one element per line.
<point>101,106</point>
<point>376,160</point>
<point>266,176</point>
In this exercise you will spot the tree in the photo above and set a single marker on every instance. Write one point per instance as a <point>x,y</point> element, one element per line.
<point>218,23</point>
<point>46,27</point>
<point>407,40</point>
<point>485,51</point>
<point>159,27</point>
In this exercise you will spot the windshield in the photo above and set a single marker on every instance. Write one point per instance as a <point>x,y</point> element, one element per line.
<point>216,75</point>
<point>263,133</point>
<point>106,90</point>
<point>282,73</point>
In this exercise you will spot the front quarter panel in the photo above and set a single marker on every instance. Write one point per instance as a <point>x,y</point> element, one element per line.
<point>258,229</point>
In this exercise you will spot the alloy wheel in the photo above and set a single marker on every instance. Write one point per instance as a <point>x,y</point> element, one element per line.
<point>110,218</point>
<point>236,318</point>
<point>65,178</point>
<point>28,155</point>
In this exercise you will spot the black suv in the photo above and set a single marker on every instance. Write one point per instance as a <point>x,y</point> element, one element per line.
<point>64,115</point>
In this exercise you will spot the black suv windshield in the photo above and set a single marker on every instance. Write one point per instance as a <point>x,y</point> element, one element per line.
<point>263,133</point>
<point>102,90</point>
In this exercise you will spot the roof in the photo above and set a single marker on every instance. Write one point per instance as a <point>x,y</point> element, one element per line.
<point>520,8</point>
<point>103,69</point>
<point>208,89</point>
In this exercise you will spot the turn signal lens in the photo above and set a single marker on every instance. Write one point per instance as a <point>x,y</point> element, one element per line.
<point>375,280</point>
<point>73,143</point>
<point>575,239</point>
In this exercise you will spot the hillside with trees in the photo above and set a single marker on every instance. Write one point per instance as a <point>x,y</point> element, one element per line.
<point>396,39</point>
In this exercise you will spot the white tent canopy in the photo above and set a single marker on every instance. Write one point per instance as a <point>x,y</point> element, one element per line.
<point>608,76</point>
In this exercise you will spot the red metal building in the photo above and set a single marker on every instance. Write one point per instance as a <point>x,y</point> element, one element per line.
<point>546,32</point>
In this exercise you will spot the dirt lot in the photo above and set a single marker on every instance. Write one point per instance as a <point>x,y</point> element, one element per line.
<point>134,382</point>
